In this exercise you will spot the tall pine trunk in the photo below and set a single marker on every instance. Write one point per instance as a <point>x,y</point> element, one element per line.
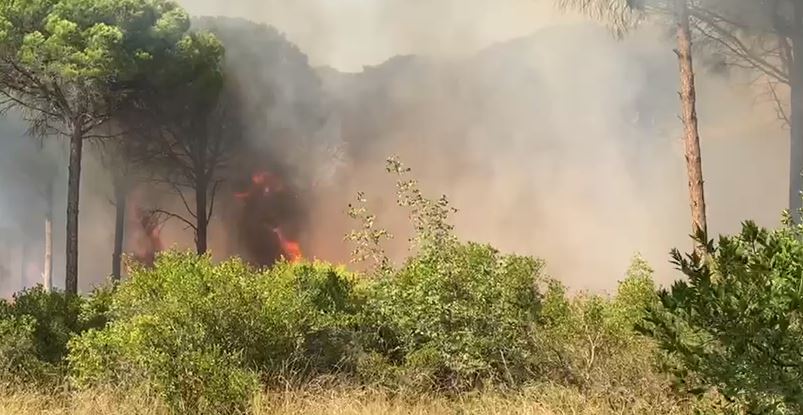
<point>201,222</point>
<point>73,194</point>
<point>796,127</point>
<point>47,273</point>
<point>120,197</point>
<point>691,137</point>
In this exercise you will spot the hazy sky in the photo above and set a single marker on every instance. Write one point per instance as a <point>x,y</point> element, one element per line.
<point>348,34</point>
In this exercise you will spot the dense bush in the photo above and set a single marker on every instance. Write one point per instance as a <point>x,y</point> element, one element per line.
<point>735,325</point>
<point>203,334</point>
<point>453,317</point>
<point>587,341</point>
<point>35,328</point>
<point>457,317</point>
<point>18,361</point>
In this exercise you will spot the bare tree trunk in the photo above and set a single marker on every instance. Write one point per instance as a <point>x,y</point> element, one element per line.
<point>202,224</point>
<point>73,194</point>
<point>120,196</point>
<point>691,137</point>
<point>796,126</point>
<point>47,273</point>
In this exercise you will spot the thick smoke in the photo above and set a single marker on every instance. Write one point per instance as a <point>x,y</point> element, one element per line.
<point>349,34</point>
<point>550,137</point>
<point>562,144</point>
<point>28,168</point>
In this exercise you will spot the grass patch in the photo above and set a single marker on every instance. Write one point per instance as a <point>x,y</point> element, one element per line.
<point>536,400</point>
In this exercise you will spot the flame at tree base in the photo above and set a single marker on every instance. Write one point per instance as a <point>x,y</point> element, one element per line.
<point>291,249</point>
<point>263,210</point>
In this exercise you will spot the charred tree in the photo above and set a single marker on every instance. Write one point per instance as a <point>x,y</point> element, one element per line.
<point>120,197</point>
<point>192,149</point>
<point>202,218</point>
<point>125,158</point>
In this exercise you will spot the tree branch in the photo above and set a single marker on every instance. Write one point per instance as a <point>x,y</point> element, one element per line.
<point>779,107</point>
<point>177,188</point>
<point>712,28</point>
<point>213,194</point>
<point>179,217</point>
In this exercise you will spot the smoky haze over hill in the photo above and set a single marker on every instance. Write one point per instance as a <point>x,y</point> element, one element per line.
<point>559,142</point>
<point>570,153</point>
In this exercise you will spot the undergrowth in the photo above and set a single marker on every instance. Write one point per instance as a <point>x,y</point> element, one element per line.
<point>457,327</point>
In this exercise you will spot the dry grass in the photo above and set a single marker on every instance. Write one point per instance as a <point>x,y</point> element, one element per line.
<point>546,400</point>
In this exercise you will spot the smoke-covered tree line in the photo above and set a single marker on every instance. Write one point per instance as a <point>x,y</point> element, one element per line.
<point>71,66</point>
<point>171,124</point>
<point>767,38</point>
<point>623,15</point>
<point>731,327</point>
<point>168,109</point>
<point>763,36</point>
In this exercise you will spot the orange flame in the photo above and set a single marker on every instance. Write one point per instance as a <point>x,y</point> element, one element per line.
<point>261,182</point>
<point>292,249</point>
<point>264,185</point>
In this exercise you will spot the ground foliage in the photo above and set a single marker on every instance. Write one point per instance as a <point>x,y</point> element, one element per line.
<point>452,319</point>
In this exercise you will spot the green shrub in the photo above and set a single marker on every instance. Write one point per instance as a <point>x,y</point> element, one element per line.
<point>170,357</point>
<point>735,324</point>
<point>202,334</point>
<point>56,318</point>
<point>18,362</point>
<point>36,327</point>
<point>457,317</point>
<point>588,341</point>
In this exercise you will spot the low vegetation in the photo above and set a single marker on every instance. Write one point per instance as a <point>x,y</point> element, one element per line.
<point>458,327</point>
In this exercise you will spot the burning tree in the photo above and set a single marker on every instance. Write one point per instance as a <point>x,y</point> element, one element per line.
<point>265,206</point>
<point>69,64</point>
<point>191,130</point>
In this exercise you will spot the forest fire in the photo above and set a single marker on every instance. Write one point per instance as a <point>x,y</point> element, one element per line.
<point>292,249</point>
<point>260,225</point>
<point>262,206</point>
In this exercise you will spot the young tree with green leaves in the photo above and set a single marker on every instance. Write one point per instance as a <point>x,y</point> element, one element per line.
<point>69,64</point>
<point>735,324</point>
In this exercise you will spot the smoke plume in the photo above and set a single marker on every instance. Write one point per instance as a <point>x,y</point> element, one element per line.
<point>552,138</point>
